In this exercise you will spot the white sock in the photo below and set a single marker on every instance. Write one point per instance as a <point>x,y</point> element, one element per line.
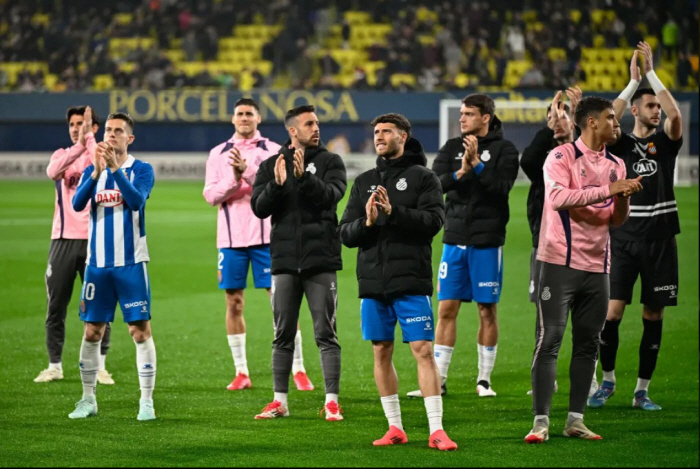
<point>298,363</point>
<point>56,366</point>
<point>103,358</point>
<point>642,385</point>
<point>146,365</point>
<point>542,418</point>
<point>331,397</point>
<point>392,410</point>
<point>609,376</point>
<point>487,358</point>
<point>433,407</point>
<point>443,355</point>
<point>89,361</point>
<point>237,344</point>
<point>574,416</point>
<point>281,397</point>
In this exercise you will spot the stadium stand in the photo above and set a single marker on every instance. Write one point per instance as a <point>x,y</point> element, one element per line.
<point>360,44</point>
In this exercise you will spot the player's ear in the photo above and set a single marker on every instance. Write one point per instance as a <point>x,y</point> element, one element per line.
<point>132,137</point>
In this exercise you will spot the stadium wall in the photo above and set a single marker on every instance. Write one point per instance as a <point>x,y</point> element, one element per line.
<point>195,120</point>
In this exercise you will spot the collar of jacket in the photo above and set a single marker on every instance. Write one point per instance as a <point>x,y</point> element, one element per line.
<point>247,141</point>
<point>413,154</point>
<point>495,132</point>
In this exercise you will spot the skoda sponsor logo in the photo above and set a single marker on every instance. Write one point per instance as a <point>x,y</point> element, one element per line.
<point>418,319</point>
<point>136,304</point>
<point>488,284</point>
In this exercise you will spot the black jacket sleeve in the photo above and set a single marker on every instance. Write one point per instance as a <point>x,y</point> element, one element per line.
<point>500,180</point>
<point>327,192</point>
<point>352,229</point>
<point>443,168</point>
<point>266,192</point>
<point>429,215</point>
<point>535,155</point>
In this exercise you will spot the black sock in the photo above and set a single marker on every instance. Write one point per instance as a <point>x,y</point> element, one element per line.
<point>649,347</point>
<point>609,341</point>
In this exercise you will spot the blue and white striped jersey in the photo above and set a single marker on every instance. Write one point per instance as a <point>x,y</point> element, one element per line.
<point>117,230</point>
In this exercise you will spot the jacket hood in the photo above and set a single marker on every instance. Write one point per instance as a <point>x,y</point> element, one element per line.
<point>413,154</point>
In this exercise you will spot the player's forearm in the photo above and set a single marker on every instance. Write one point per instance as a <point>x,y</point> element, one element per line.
<point>265,198</point>
<point>84,193</point>
<point>220,191</point>
<point>621,103</point>
<point>134,198</point>
<point>565,199</point>
<point>323,194</point>
<point>355,233</point>
<point>621,211</point>
<point>62,159</point>
<point>674,120</point>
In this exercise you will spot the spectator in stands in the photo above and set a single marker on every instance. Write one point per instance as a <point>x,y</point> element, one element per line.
<point>533,78</point>
<point>683,69</point>
<point>669,38</point>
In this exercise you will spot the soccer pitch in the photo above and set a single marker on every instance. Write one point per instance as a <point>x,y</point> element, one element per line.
<point>200,423</point>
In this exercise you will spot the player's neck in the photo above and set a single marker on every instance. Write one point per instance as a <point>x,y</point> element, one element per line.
<point>642,130</point>
<point>592,141</point>
<point>121,158</point>
<point>297,144</point>
<point>240,136</point>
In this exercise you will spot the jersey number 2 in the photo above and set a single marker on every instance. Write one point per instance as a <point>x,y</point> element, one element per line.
<point>221,261</point>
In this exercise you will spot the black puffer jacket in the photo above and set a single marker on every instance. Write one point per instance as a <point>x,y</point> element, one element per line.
<point>477,211</point>
<point>532,163</point>
<point>304,220</point>
<point>395,254</point>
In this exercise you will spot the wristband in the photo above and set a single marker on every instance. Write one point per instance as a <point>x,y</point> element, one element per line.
<point>454,176</point>
<point>478,168</point>
<point>628,92</point>
<point>655,83</point>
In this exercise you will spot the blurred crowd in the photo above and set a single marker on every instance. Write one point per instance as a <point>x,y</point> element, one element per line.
<point>74,42</point>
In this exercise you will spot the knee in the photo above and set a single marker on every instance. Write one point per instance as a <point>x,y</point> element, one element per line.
<point>234,302</point>
<point>487,313</point>
<point>616,309</point>
<point>383,352</point>
<point>423,352</point>
<point>653,313</point>
<point>140,331</point>
<point>550,341</point>
<point>93,333</point>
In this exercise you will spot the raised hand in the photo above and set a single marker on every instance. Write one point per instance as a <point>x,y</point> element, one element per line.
<point>298,163</point>
<point>87,125</point>
<point>648,56</point>
<point>110,157</point>
<point>472,153</point>
<point>553,116</point>
<point>280,170</point>
<point>383,200</point>
<point>98,160</point>
<point>371,210</point>
<point>626,187</point>
<point>237,162</point>
<point>635,74</point>
<point>574,94</point>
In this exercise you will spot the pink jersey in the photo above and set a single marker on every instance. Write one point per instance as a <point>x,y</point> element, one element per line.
<point>578,208</point>
<point>237,226</point>
<point>65,168</point>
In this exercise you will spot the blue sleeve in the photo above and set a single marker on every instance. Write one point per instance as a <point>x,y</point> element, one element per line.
<point>479,168</point>
<point>86,188</point>
<point>136,193</point>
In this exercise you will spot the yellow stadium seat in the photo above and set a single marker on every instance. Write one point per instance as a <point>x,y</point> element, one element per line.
<point>127,66</point>
<point>653,41</point>
<point>357,17</point>
<point>41,18</point>
<point>103,82</point>
<point>123,18</point>
<point>597,16</point>
<point>263,66</point>
<point>397,79</point>
<point>610,15</point>
<point>530,16</point>
<point>598,41</point>
<point>50,80</point>
<point>556,53</point>
<point>175,55</point>
<point>461,80</point>
<point>426,39</point>
<point>575,15</point>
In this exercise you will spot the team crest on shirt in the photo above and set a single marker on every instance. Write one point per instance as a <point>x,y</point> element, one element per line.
<point>613,175</point>
<point>559,155</point>
<point>485,156</point>
<point>311,168</point>
<point>651,148</point>
<point>82,306</point>
<point>109,198</point>
<point>583,173</point>
<point>402,185</point>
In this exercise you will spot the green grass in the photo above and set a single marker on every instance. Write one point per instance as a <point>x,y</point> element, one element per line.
<point>201,424</point>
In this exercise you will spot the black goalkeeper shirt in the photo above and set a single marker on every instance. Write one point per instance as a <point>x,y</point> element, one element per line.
<point>653,210</point>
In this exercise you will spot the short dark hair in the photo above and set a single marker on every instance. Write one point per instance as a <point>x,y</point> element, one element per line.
<point>566,108</point>
<point>123,116</point>
<point>293,113</point>
<point>80,111</point>
<point>641,92</point>
<point>482,102</point>
<point>246,102</point>
<point>397,119</point>
<point>590,106</point>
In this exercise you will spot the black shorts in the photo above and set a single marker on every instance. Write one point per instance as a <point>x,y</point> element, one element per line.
<point>657,264</point>
<point>535,267</point>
